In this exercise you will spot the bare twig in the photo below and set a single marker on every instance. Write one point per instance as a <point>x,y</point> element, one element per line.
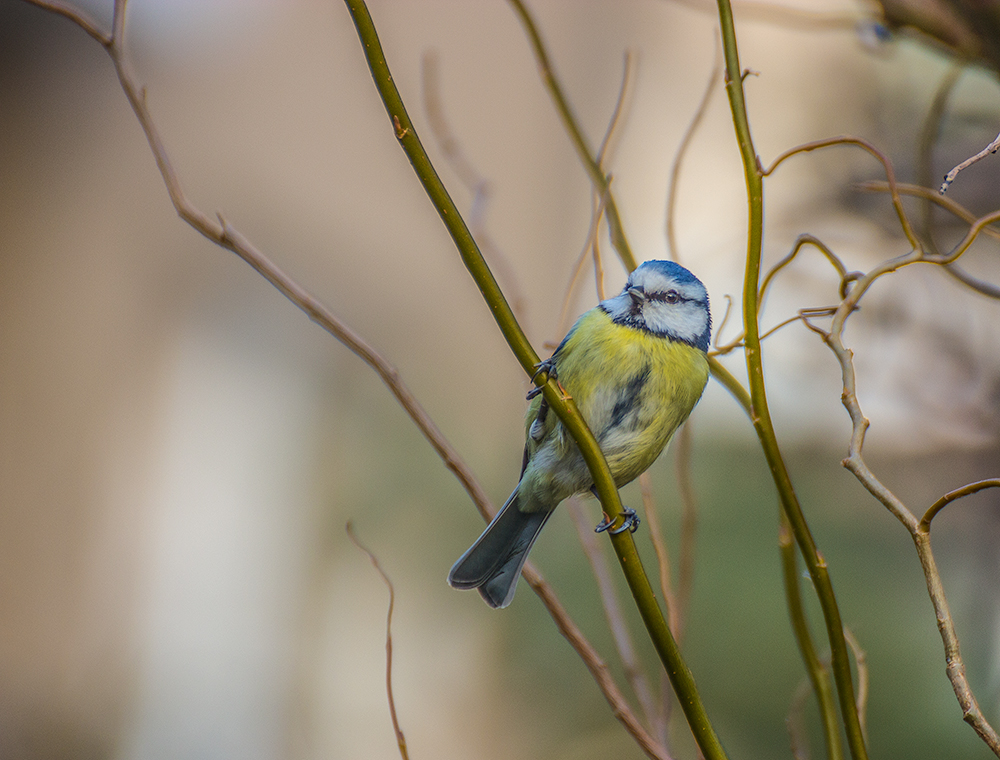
<point>400,739</point>
<point>652,516</point>
<point>592,548</point>
<point>473,181</point>
<point>925,192</point>
<point>787,16</point>
<point>682,149</point>
<point>948,498</point>
<point>861,663</point>
<point>587,156</point>
<point>925,145</point>
<point>993,147</point>
<point>590,246</point>
<point>683,465</point>
<point>598,205</point>
<point>872,150</point>
<point>919,529</point>
<point>795,723</point>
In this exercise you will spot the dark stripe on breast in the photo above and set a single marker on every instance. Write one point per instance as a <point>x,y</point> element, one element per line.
<point>628,397</point>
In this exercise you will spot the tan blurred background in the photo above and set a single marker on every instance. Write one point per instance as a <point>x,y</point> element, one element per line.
<point>180,448</point>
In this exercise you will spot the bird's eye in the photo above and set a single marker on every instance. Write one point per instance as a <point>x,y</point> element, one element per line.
<point>671,296</point>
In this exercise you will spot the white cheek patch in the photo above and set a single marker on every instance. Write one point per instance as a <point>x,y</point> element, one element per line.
<point>686,321</point>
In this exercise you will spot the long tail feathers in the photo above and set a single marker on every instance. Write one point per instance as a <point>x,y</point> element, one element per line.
<point>493,564</point>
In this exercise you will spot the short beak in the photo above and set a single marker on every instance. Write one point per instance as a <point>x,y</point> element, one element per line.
<point>637,295</point>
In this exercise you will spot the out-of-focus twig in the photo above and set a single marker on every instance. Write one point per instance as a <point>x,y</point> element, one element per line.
<point>919,529</point>
<point>890,174</point>
<point>473,181</point>
<point>861,663</point>
<point>683,465</point>
<point>598,204</point>
<point>817,673</point>
<point>223,234</point>
<point>613,613</point>
<point>682,149</point>
<point>903,188</point>
<point>652,516</point>
<point>400,739</point>
<point>925,146</point>
<point>788,16</point>
<point>587,156</point>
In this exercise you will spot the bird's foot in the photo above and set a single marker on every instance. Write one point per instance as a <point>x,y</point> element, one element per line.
<point>549,368</point>
<point>630,524</point>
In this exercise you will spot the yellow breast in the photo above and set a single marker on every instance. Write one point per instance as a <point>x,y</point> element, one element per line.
<point>633,388</point>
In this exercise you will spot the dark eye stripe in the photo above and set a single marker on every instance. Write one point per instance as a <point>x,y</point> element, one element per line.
<point>671,296</point>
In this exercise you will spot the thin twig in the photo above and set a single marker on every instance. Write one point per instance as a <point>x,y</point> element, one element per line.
<point>613,613</point>
<point>788,16</point>
<point>652,516</point>
<point>918,529</point>
<point>890,174</point>
<point>878,186</point>
<point>795,723</point>
<point>993,147</point>
<point>597,176</point>
<point>861,663</point>
<point>682,149</point>
<point>598,204</point>
<point>817,672</point>
<point>948,498</point>
<point>472,180</point>
<point>925,145</point>
<point>400,739</point>
<point>683,465</point>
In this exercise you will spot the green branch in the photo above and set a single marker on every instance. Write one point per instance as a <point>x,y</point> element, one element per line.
<point>760,414</point>
<point>649,609</point>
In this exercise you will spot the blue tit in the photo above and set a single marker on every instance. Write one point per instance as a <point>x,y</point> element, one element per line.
<point>636,365</point>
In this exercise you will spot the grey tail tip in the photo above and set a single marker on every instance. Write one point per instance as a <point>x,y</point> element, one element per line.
<point>493,563</point>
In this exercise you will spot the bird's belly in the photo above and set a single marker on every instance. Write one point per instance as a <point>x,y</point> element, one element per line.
<point>632,420</point>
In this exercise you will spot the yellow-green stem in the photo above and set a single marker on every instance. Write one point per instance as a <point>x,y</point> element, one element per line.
<point>563,406</point>
<point>760,414</point>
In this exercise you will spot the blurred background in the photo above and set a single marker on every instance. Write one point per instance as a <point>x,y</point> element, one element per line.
<point>180,448</point>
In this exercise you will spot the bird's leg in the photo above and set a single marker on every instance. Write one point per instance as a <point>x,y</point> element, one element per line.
<point>630,524</point>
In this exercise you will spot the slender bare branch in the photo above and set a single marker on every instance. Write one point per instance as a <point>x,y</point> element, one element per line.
<point>473,181</point>
<point>948,498</point>
<point>400,738</point>
<point>682,149</point>
<point>872,150</point>
<point>993,147</point>
<point>614,614</point>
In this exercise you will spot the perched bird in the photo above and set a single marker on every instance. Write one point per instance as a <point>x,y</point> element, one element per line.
<point>636,365</point>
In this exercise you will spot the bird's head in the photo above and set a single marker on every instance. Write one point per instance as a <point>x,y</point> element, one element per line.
<point>664,298</point>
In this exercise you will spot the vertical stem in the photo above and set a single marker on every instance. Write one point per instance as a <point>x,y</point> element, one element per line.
<point>760,414</point>
<point>818,676</point>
